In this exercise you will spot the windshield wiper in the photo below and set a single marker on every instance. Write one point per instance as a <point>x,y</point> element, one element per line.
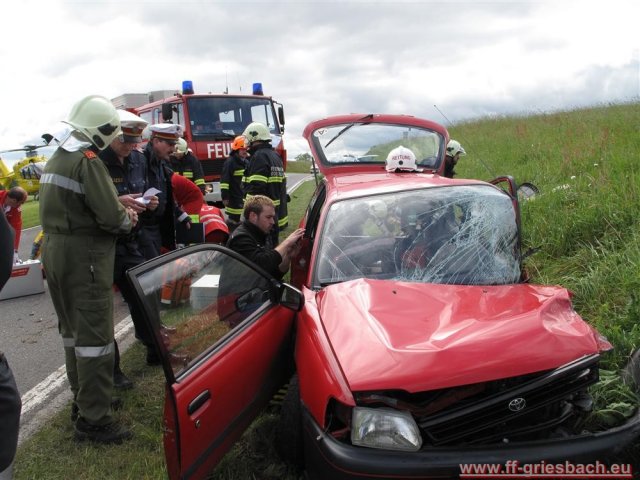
<point>366,117</point>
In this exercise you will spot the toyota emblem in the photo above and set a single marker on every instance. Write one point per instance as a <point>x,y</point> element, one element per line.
<point>517,404</point>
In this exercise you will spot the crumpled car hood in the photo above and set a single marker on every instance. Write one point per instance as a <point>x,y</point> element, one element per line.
<point>418,337</point>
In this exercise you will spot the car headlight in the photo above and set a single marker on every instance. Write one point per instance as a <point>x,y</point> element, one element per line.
<point>385,428</point>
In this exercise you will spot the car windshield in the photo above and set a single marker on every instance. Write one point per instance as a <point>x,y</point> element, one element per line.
<point>370,143</point>
<point>226,117</point>
<point>465,235</point>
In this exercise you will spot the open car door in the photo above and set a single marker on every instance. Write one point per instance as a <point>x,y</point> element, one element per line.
<point>222,327</point>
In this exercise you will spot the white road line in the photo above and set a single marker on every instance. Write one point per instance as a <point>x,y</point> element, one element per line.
<point>39,394</point>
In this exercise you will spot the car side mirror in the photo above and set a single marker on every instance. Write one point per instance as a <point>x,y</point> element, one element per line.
<point>291,297</point>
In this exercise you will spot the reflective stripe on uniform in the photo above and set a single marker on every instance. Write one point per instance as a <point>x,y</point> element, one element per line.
<point>188,174</point>
<point>236,211</point>
<point>62,182</point>
<point>257,178</point>
<point>224,186</point>
<point>238,173</point>
<point>275,179</point>
<point>283,221</point>
<point>93,352</point>
<point>199,181</point>
<point>68,342</point>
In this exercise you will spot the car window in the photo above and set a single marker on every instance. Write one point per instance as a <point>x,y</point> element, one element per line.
<point>452,235</point>
<point>198,300</point>
<point>370,143</point>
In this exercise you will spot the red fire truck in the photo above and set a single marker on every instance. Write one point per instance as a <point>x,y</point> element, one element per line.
<point>211,122</point>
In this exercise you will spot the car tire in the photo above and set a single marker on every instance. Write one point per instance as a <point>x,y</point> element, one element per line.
<point>289,441</point>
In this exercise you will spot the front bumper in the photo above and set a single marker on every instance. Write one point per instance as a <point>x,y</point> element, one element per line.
<point>325,457</point>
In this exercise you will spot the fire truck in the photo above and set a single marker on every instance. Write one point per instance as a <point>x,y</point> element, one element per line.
<point>211,122</point>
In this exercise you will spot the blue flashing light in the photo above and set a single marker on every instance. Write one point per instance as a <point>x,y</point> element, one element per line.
<point>257,89</point>
<point>187,87</point>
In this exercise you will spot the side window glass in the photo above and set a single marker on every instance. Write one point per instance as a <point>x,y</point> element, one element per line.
<point>313,212</point>
<point>197,301</point>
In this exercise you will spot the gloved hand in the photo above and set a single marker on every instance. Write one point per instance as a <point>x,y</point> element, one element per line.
<point>185,219</point>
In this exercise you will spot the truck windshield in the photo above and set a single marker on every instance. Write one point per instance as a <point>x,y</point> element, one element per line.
<point>225,117</point>
<point>464,235</point>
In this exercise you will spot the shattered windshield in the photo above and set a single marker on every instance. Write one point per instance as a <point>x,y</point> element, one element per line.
<point>370,143</point>
<point>465,235</point>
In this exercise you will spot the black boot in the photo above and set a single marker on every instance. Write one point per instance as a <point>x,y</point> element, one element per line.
<point>113,432</point>
<point>120,380</point>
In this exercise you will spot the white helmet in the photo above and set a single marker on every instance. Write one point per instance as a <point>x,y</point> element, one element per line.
<point>454,147</point>
<point>97,119</point>
<point>401,158</point>
<point>257,131</point>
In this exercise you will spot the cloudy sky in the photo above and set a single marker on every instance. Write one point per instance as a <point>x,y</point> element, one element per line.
<point>320,58</point>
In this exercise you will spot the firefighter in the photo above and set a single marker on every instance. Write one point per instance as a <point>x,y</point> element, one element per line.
<point>127,168</point>
<point>265,173</point>
<point>454,152</point>
<point>158,230</point>
<point>184,163</point>
<point>82,217</point>
<point>231,181</point>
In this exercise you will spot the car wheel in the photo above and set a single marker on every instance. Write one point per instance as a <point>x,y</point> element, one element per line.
<point>289,443</point>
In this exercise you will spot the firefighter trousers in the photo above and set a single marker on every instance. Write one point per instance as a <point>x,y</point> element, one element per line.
<point>79,271</point>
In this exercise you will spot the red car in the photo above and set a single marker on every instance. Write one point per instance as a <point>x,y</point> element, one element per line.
<point>418,345</point>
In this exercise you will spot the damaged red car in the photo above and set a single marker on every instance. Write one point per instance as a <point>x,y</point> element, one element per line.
<point>417,342</point>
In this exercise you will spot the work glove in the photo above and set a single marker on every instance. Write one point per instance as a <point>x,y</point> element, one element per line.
<point>185,219</point>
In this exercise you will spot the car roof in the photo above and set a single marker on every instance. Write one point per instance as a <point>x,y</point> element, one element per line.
<point>353,185</point>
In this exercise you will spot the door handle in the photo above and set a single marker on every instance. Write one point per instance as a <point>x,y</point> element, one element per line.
<point>198,402</point>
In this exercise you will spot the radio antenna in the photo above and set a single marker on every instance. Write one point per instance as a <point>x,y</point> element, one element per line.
<point>465,141</point>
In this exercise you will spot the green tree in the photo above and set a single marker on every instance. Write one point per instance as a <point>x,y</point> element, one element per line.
<point>303,157</point>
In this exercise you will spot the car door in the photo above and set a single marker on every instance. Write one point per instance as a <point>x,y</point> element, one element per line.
<point>222,327</point>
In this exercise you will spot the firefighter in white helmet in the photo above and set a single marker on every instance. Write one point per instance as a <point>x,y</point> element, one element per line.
<point>453,154</point>
<point>184,163</point>
<point>82,218</point>
<point>264,174</point>
<point>401,159</point>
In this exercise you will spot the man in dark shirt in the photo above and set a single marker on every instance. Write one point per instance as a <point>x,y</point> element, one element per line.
<point>252,238</point>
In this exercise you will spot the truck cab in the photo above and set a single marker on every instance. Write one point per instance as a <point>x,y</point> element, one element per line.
<point>211,122</point>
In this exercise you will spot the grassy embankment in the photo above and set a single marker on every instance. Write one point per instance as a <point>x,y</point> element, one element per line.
<point>586,164</point>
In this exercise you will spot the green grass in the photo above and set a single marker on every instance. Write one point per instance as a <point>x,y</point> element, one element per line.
<point>585,221</point>
<point>299,166</point>
<point>30,213</point>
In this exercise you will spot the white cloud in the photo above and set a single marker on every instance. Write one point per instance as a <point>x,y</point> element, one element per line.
<point>320,58</point>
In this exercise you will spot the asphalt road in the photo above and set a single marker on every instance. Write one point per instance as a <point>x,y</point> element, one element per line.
<point>30,340</point>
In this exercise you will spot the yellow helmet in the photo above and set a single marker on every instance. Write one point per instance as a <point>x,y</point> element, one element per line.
<point>181,146</point>
<point>454,147</point>
<point>257,131</point>
<point>97,119</point>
